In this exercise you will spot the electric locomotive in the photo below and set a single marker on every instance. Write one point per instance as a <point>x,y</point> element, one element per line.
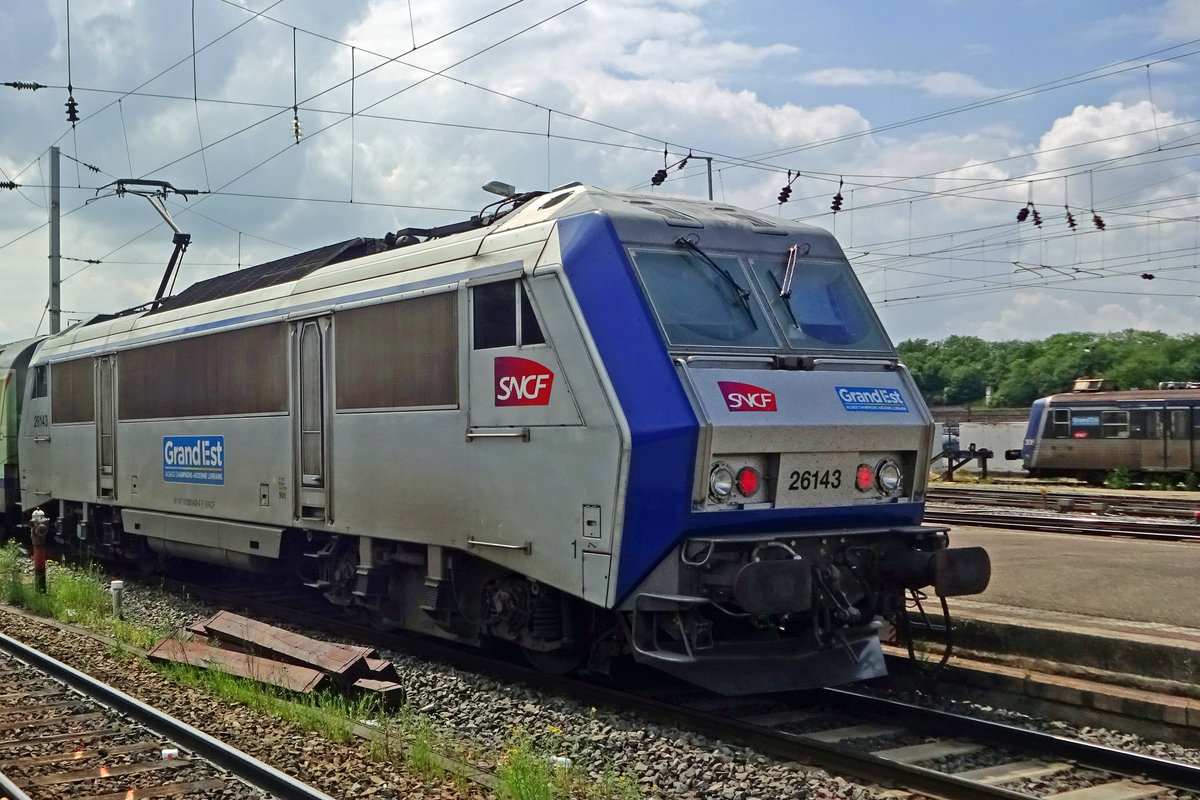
<point>585,422</point>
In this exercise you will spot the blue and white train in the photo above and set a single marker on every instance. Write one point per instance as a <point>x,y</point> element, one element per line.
<point>590,423</point>
<point>1092,430</point>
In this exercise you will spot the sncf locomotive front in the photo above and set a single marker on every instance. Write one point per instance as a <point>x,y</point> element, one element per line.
<point>779,449</point>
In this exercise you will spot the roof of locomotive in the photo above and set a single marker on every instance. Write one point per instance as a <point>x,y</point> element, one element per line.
<point>267,289</point>
<point>638,217</point>
<point>283,270</point>
<point>644,217</point>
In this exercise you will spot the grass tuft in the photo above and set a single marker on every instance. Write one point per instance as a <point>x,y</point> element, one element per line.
<point>326,713</point>
<point>525,770</point>
<point>423,747</point>
<point>1118,479</point>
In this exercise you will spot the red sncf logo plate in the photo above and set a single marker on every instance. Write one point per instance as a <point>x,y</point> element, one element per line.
<point>746,397</point>
<point>521,382</point>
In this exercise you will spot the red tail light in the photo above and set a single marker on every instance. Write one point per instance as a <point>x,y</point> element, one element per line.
<point>747,481</point>
<point>864,477</point>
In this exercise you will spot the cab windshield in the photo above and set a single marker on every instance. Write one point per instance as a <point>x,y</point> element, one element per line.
<point>710,300</point>
<point>820,307</point>
<point>703,299</point>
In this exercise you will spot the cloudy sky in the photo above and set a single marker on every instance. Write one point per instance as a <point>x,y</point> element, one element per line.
<point>938,120</point>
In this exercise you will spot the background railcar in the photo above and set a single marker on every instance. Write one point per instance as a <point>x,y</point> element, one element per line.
<point>1086,434</point>
<point>14,362</point>
<point>586,423</point>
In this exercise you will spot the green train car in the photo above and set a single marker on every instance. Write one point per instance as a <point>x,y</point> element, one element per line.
<point>14,359</point>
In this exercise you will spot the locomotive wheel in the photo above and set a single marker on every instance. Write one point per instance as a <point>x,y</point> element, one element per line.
<point>562,661</point>
<point>342,576</point>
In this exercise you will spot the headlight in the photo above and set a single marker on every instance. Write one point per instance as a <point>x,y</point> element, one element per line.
<point>888,476</point>
<point>720,482</point>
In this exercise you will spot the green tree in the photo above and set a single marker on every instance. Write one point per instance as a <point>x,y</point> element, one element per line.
<point>959,369</point>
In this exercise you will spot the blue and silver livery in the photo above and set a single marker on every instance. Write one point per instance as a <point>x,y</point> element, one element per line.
<point>586,422</point>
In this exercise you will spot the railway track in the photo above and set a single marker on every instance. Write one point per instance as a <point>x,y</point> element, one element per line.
<point>1058,523</point>
<point>945,754</point>
<point>62,734</point>
<point>1147,505</point>
<point>854,735</point>
<point>1092,514</point>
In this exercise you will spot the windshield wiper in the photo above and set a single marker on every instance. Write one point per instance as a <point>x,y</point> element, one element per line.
<point>787,299</point>
<point>743,295</point>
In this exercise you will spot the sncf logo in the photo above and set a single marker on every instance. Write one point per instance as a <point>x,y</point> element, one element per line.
<point>745,397</point>
<point>521,382</point>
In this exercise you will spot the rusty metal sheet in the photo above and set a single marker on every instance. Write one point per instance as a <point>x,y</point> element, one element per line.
<point>382,670</point>
<point>264,670</point>
<point>391,693</point>
<point>345,661</point>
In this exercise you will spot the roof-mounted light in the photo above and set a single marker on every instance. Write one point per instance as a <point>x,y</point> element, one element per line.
<point>500,188</point>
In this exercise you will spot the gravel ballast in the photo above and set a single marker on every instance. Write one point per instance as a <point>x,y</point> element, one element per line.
<point>338,770</point>
<point>473,713</point>
<point>479,715</point>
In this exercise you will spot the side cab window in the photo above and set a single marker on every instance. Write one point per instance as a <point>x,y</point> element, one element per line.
<point>516,379</point>
<point>1061,427</point>
<point>41,381</point>
<point>502,316</point>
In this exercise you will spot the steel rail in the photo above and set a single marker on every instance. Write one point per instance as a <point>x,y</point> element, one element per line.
<point>1147,505</point>
<point>793,747</point>
<point>1160,770</point>
<point>830,757</point>
<point>835,758</point>
<point>262,776</point>
<point>9,790</point>
<point>1157,531</point>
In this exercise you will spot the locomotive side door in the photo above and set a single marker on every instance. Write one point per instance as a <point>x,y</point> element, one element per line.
<point>106,423</point>
<point>1154,438</point>
<point>1179,445</point>
<point>310,412</point>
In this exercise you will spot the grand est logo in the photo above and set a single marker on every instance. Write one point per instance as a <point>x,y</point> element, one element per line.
<point>746,397</point>
<point>521,382</point>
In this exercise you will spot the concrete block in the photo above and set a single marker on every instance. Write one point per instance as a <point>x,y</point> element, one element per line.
<point>1061,690</point>
<point>1174,711</point>
<point>1113,703</point>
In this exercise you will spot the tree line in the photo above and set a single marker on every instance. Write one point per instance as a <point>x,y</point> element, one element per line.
<point>960,369</point>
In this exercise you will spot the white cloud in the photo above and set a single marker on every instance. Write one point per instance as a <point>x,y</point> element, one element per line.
<point>655,67</point>
<point>1038,314</point>
<point>1180,20</point>
<point>936,84</point>
<point>1091,134</point>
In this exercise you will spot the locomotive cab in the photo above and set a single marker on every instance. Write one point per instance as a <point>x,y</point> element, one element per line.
<point>797,529</point>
